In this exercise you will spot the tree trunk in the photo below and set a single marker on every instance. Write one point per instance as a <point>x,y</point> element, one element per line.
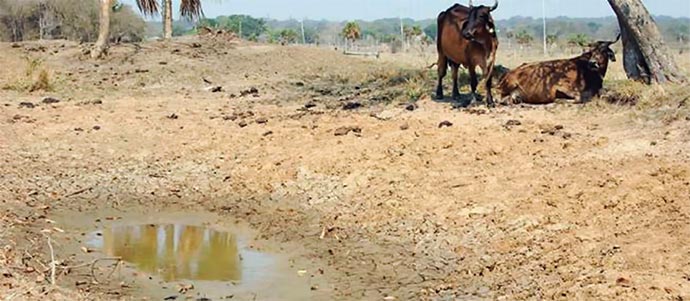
<point>167,20</point>
<point>645,55</point>
<point>101,46</point>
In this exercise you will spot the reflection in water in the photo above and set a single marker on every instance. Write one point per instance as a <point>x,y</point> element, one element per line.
<point>175,252</point>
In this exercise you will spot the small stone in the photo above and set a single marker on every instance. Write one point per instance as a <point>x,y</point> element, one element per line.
<point>27,105</point>
<point>262,120</point>
<point>96,127</point>
<point>309,105</point>
<point>513,122</point>
<point>49,100</point>
<point>445,123</point>
<point>352,106</point>
<point>173,116</point>
<point>411,107</point>
<point>344,130</point>
<point>242,124</point>
<point>268,133</point>
<point>215,89</point>
<point>624,282</point>
<point>405,127</point>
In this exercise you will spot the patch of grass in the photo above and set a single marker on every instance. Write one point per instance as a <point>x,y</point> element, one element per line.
<point>42,83</point>
<point>31,82</point>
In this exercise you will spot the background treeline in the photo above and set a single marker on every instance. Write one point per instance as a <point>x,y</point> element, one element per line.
<point>78,20</point>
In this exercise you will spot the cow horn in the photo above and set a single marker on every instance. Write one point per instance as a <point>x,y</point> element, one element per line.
<point>617,38</point>
<point>493,8</point>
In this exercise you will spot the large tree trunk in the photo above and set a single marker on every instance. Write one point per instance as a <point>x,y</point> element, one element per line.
<point>167,20</point>
<point>645,55</point>
<point>101,46</point>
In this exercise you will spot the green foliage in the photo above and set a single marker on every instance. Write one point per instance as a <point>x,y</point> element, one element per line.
<point>551,39</point>
<point>523,37</point>
<point>351,31</point>
<point>249,26</point>
<point>579,39</point>
<point>412,31</point>
<point>431,30</point>
<point>288,36</point>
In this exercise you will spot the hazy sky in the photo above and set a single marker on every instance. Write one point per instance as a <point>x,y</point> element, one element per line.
<point>420,9</point>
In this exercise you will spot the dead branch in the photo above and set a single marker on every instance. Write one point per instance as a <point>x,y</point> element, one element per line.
<point>52,262</point>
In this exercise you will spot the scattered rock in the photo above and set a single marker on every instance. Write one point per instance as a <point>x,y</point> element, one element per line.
<point>173,116</point>
<point>15,45</point>
<point>624,282</point>
<point>50,100</point>
<point>411,107</point>
<point>268,133</point>
<point>352,106</point>
<point>405,127</point>
<point>262,120</point>
<point>170,298</point>
<point>215,89</point>
<point>299,84</point>
<point>195,45</point>
<point>96,127</point>
<point>26,104</point>
<point>141,70</point>
<point>243,124</point>
<point>162,63</point>
<point>445,123</point>
<point>309,105</point>
<point>251,91</point>
<point>344,130</point>
<point>513,122</point>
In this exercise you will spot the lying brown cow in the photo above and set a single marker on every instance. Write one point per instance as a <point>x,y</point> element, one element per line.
<point>578,78</point>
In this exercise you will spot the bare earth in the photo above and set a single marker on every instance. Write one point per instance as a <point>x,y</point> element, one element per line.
<point>566,202</point>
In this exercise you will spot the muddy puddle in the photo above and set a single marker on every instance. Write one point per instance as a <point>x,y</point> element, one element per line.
<point>163,253</point>
<point>178,252</point>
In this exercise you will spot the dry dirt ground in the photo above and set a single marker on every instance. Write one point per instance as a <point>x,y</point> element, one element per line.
<point>375,202</point>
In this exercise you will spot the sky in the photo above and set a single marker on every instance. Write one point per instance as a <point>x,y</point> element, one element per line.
<point>420,9</point>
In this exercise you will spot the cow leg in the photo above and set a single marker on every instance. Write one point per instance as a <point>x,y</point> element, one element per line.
<point>474,81</point>
<point>586,96</point>
<point>456,90</point>
<point>442,70</point>
<point>487,72</point>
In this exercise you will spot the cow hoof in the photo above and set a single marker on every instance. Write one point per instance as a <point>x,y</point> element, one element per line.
<point>440,97</point>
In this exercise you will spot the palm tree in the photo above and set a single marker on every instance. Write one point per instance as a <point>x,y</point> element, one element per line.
<point>351,32</point>
<point>189,9</point>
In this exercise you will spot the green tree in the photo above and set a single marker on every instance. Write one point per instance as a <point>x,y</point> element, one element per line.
<point>351,32</point>
<point>288,36</point>
<point>431,30</point>
<point>579,39</point>
<point>523,37</point>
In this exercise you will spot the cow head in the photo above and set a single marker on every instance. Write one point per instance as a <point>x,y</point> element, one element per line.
<point>479,19</point>
<point>601,54</point>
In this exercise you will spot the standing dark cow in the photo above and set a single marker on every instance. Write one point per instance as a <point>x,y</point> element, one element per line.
<point>580,78</point>
<point>467,36</point>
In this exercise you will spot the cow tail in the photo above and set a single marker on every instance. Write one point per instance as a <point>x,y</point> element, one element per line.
<point>439,32</point>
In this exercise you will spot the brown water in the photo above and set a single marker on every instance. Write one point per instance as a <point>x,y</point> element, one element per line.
<point>181,252</point>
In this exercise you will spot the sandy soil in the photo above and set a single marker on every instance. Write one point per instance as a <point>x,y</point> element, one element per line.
<point>565,202</point>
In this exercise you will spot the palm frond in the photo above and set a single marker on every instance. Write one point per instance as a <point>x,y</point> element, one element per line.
<point>148,7</point>
<point>191,9</point>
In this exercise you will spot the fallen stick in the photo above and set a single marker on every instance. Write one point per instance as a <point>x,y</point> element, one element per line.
<point>52,262</point>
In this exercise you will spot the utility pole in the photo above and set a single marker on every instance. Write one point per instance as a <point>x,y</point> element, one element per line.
<point>543,18</point>
<point>241,19</point>
<point>402,32</point>
<point>304,37</point>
